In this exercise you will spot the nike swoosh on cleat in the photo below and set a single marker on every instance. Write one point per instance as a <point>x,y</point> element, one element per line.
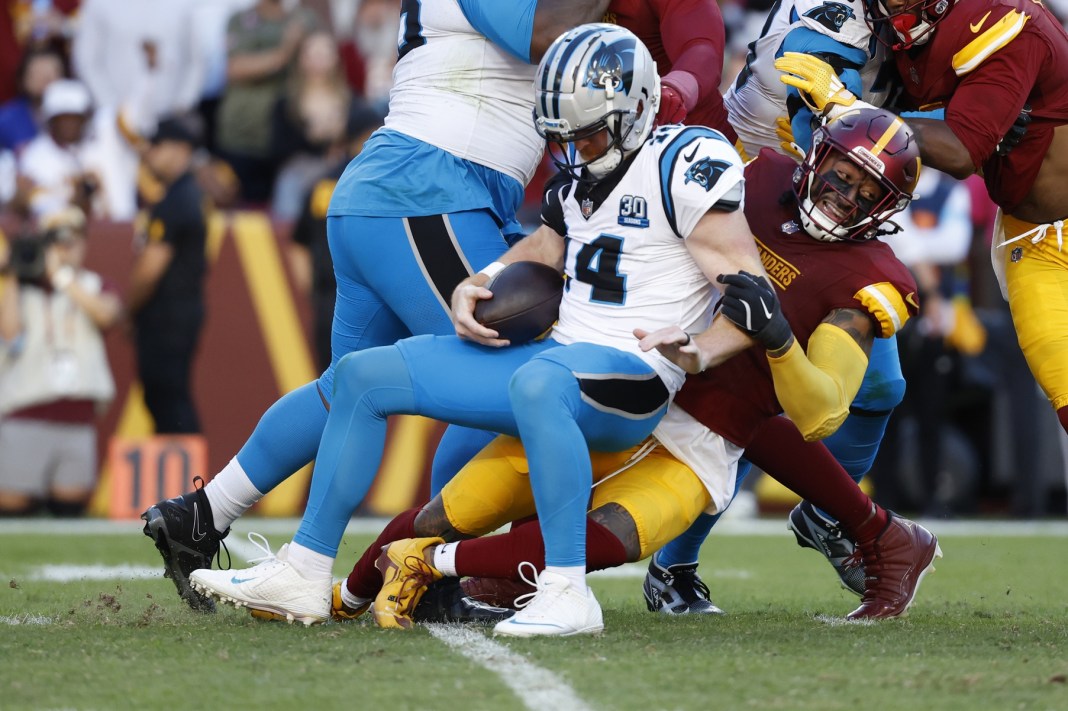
<point>978,25</point>
<point>198,534</point>
<point>237,581</point>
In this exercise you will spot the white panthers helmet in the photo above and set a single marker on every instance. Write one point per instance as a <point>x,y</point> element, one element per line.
<point>592,78</point>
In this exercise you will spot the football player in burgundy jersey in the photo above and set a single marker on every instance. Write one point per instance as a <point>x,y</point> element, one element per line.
<point>833,290</point>
<point>686,39</point>
<point>985,62</point>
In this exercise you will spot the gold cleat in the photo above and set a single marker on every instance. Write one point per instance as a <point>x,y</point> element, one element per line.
<point>341,612</point>
<point>405,574</point>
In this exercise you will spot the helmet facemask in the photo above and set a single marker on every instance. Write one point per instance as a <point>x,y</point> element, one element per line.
<point>911,25</point>
<point>833,208</point>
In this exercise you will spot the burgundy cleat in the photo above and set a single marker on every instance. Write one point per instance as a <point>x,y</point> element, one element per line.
<point>895,563</point>
<point>498,592</point>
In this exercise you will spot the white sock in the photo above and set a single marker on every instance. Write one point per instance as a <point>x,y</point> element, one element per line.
<point>351,600</point>
<point>230,494</point>
<point>575,574</point>
<point>445,559</point>
<point>310,564</point>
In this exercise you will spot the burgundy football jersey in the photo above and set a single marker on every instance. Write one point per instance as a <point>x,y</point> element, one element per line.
<point>984,61</point>
<point>668,28</point>
<point>812,278</point>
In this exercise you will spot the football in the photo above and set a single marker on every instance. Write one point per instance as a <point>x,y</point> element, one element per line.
<point>525,303</point>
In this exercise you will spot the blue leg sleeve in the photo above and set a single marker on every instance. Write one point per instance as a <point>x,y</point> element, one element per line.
<point>285,439</point>
<point>545,400</point>
<point>369,386</point>
<point>686,548</point>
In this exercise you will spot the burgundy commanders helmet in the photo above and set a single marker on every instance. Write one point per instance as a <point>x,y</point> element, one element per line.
<point>911,25</point>
<point>882,145</point>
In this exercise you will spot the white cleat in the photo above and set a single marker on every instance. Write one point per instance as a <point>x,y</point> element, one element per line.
<point>555,609</point>
<point>272,586</point>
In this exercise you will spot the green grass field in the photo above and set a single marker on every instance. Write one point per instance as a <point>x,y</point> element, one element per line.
<point>988,631</point>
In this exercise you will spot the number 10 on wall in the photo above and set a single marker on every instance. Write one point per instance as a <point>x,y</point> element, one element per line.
<point>147,470</point>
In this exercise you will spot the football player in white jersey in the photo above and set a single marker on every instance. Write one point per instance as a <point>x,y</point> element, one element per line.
<point>430,200</point>
<point>640,223</point>
<point>757,102</point>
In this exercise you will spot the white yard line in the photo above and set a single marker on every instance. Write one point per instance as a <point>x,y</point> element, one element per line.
<point>535,687</point>
<point>25,620</point>
<point>68,573</point>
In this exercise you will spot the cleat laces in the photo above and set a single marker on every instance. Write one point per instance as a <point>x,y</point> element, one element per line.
<point>198,487</point>
<point>525,599</point>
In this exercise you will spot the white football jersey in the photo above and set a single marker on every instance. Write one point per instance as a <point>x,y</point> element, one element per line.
<point>626,262</point>
<point>446,71</point>
<point>757,98</point>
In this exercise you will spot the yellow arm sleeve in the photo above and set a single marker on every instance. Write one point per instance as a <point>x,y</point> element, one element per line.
<point>815,389</point>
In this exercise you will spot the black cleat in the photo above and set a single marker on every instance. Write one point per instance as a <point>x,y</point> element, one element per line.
<point>184,532</point>
<point>677,590</point>
<point>444,601</point>
<point>814,531</point>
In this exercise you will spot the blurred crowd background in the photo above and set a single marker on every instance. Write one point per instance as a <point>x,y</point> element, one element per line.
<point>129,126</point>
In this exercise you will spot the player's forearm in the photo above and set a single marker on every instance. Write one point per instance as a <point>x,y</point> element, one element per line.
<point>696,47</point>
<point>543,245</point>
<point>815,388</point>
<point>720,342</point>
<point>941,149</point>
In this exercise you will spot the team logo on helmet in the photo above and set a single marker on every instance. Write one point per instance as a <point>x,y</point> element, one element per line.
<point>706,172</point>
<point>614,60</point>
<point>831,15</point>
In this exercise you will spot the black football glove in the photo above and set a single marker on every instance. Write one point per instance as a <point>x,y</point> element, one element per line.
<point>1016,132</point>
<point>751,304</point>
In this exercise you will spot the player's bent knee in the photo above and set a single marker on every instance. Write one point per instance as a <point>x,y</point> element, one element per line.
<point>363,371</point>
<point>538,383</point>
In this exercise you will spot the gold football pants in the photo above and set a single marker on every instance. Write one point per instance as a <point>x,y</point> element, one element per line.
<point>661,494</point>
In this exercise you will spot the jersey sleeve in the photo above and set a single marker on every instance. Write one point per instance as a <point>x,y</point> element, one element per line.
<point>998,70</point>
<point>699,171</point>
<point>507,24</point>
<point>892,301</point>
<point>837,20</point>
<point>557,188</point>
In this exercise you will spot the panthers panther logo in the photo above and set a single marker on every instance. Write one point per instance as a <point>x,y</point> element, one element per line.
<point>831,15</point>
<point>615,60</point>
<point>706,172</point>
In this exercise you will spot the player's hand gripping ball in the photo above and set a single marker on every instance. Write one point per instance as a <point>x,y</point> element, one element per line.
<point>525,303</point>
